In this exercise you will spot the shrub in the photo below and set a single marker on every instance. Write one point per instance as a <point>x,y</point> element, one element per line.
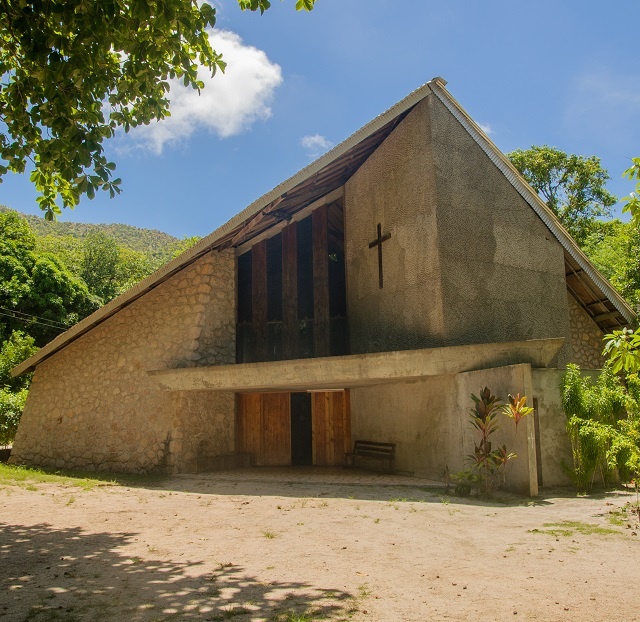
<point>603,422</point>
<point>11,407</point>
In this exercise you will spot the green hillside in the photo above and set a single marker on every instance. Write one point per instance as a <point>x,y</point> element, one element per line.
<point>155,244</point>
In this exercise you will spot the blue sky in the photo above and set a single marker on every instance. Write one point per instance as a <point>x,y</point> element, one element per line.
<point>563,73</point>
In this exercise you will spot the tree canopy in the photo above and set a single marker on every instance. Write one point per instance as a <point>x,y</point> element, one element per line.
<point>573,186</point>
<point>632,202</point>
<point>73,71</point>
<point>38,294</point>
<point>614,247</point>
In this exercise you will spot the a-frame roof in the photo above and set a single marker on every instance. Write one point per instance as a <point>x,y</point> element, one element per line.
<point>331,171</point>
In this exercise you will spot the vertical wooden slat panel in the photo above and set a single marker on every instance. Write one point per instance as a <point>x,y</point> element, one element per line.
<point>276,429</point>
<point>290,291</point>
<point>249,420</point>
<point>321,282</point>
<point>259,299</point>
<point>314,429</point>
<point>331,428</point>
<point>346,413</point>
<point>330,438</point>
<point>240,424</point>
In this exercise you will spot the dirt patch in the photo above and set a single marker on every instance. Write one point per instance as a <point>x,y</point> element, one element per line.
<point>218,548</point>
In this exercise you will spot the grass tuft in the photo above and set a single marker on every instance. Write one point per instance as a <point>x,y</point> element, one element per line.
<point>27,477</point>
<point>569,528</point>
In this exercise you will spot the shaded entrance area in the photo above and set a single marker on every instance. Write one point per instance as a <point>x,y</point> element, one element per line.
<point>294,429</point>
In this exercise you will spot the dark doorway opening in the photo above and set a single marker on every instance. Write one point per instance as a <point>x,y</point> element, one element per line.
<point>301,430</point>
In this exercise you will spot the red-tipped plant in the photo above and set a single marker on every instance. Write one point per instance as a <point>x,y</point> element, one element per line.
<point>489,464</point>
<point>517,408</point>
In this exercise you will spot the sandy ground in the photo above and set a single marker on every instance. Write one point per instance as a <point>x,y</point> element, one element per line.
<point>236,546</point>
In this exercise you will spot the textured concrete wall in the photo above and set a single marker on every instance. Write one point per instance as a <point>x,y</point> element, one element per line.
<point>395,187</point>
<point>503,271</point>
<point>429,422</point>
<point>92,405</point>
<point>416,417</point>
<point>468,260</point>
<point>554,440</point>
<point>586,338</point>
<point>521,473</point>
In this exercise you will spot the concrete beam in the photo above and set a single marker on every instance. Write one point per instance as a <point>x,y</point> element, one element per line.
<point>356,370</point>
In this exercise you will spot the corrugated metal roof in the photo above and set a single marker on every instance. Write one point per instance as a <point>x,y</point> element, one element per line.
<point>321,176</point>
<point>331,171</point>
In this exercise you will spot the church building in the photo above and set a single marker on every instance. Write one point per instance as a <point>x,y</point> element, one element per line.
<point>365,298</point>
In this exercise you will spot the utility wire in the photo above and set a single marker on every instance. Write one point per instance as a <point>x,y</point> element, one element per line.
<point>26,321</point>
<point>36,317</point>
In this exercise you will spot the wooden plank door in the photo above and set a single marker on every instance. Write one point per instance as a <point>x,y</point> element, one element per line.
<point>249,424</point>
<point>263,428</point>
<point>331,427</point>
<point>276,429</point>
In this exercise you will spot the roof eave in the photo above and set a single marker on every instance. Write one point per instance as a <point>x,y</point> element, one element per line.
<point>531,197</point>
<point>208,242</point>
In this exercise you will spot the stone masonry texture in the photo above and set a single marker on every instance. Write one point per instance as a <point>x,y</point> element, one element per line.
<point>586,338</point>
<point>93,406</point>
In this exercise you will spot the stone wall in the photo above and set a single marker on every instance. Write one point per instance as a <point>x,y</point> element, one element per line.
<point>586,337</point>
<point>93,406</point>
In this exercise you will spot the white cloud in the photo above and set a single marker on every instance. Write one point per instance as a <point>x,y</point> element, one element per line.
<point>486,128</point>
<point>315,145</point>
<point>230,102</point>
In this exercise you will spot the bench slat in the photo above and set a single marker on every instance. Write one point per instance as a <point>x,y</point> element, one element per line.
<point>383,453</point>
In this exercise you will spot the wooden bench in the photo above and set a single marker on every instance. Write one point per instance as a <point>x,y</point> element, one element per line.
<point>368,452</point>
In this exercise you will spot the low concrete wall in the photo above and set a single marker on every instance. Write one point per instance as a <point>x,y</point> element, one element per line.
<point>521,473</point>
<point>429,423</point>
<point>555,446</point>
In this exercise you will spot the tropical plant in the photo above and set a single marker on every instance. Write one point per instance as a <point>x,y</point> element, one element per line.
<point>517,408</point>
<point>613,247</point>
<point>16,349</point>
<point>11,407</point>
<point>464,482</point>
<point>38,294</point>
<point>487,463</point>
<point>623,350</point>
<point>573,186</point>
<point>73,72</point>
<point>632,202</point>
<point>603,423</point>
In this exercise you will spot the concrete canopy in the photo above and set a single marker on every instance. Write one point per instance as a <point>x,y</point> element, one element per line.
<point>358,370</point>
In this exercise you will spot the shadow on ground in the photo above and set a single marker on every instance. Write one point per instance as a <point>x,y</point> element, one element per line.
<point>297,482</point>
<point>49,575</point>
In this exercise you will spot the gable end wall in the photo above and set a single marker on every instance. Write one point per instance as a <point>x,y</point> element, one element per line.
<point>504,270</point>
<point>395,187</point>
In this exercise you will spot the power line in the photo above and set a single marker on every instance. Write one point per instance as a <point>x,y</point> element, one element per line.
<point>28,321</point>
<point>37,317</point>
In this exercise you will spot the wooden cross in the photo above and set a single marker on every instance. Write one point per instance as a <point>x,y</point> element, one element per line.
<point>378,242</point>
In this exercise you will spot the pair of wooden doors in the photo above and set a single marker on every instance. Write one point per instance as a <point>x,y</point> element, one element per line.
<point>294,429</point>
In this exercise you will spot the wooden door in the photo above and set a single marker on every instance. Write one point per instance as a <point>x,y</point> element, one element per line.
<point>280,429</point>
<point>331,427</point>
<point>263,428</point>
